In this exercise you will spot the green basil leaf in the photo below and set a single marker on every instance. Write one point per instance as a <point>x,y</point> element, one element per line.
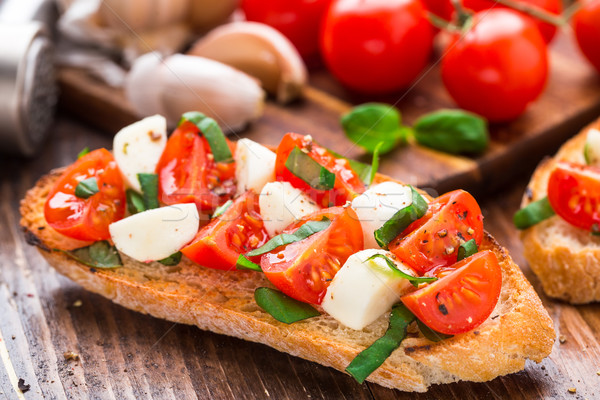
<point>373,356</point>
<point>304,167</point>
<point>534,213</point>
<point>587,154</point>
<point>149,184</point>
<point>467,249</point>
<point>362,170</point>
<point>213,134</point>
<point>221,209</point>
<point>374,163</point>
<point>97,255</point>
<point>595,231</point>
<point>244,263</point>
<point>306,230</point>
<point>173,259</point>
<point>283,308</point>
<point>414,280</point>
<point>401,220</point>
<point>83,152</point>
<point>369,124</point>
<point>87,188</point>
<point>452,131</point>
<point>135,202</point>
<point>430,334</point>
<point>591,149</point>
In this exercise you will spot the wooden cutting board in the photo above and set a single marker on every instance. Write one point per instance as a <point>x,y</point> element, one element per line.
<point>571,99</point>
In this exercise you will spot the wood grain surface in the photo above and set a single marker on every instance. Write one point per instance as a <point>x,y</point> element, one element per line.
<point>571,100</point>
<point>126,355</point>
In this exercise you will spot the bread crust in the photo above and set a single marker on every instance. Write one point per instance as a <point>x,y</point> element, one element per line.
<point>568,262</point>
<point>222,301</point>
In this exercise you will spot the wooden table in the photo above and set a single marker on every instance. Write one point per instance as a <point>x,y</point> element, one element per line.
<point>126,355</point>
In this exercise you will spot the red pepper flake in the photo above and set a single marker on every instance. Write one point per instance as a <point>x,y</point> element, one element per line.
<point>23,387</point>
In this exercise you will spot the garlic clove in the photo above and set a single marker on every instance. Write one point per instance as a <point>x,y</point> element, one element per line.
<point>141,86</point>
<point>184,83</point>
<point>260,51</point>
<point>221,92</point>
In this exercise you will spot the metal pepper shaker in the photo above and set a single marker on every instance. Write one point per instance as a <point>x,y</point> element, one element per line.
<point>28,90</point>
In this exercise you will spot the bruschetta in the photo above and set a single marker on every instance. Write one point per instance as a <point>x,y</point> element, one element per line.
<point>298,248</point>
<point>559,220</point>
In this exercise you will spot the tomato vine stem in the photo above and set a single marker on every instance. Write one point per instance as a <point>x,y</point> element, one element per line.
<point>539,13</point>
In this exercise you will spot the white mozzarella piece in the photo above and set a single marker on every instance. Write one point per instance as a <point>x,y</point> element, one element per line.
<point>377,205</point>
<point>137,148</point>
<point>591,150</point>
<point>255,166</point>
<point>281,204</point>
<point>156,234</point>
<point>362,290</point>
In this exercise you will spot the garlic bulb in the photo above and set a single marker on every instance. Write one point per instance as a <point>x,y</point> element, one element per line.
<point>141,15</point>
<point>260,51</point>
<point>183,83</point>
<point>206,14</point>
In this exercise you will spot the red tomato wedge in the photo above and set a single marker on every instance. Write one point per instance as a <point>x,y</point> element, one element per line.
<point>347,182</point>
<point>433,240</point>
<point>87,219</point>
<point>462,298</point>
<point>239,230</point>
<point>187,172</point>
<point>574,194</point>
<point>304,269</point>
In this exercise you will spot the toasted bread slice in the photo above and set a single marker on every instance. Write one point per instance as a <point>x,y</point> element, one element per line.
<point>223,302</point>
<point>565,258</point>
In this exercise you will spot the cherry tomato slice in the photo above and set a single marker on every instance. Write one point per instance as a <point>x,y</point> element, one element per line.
<point>87,219</point>
<point>433,240</point>
<point>574,194</point>
<point>347,182</point>
<point>462,298</point>
<point>304,269</point>
<point>187,172</point>
<point>239,230</point>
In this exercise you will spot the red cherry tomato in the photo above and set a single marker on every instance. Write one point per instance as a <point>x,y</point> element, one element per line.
<point>239,230</point>
<point>433,240</point>
<point>187,172</point>
<point>462,298</point>
<point>376,46</point>
<point>551,6</point>
<point>87,219</point>
<point>303,270</point>
<point>347,183</point>
<point>574,194</point>
<point>586,23</point>
<point>298,20</point>
<point>498,67</point>
<point>444,9</point>
<point>440,8</point>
